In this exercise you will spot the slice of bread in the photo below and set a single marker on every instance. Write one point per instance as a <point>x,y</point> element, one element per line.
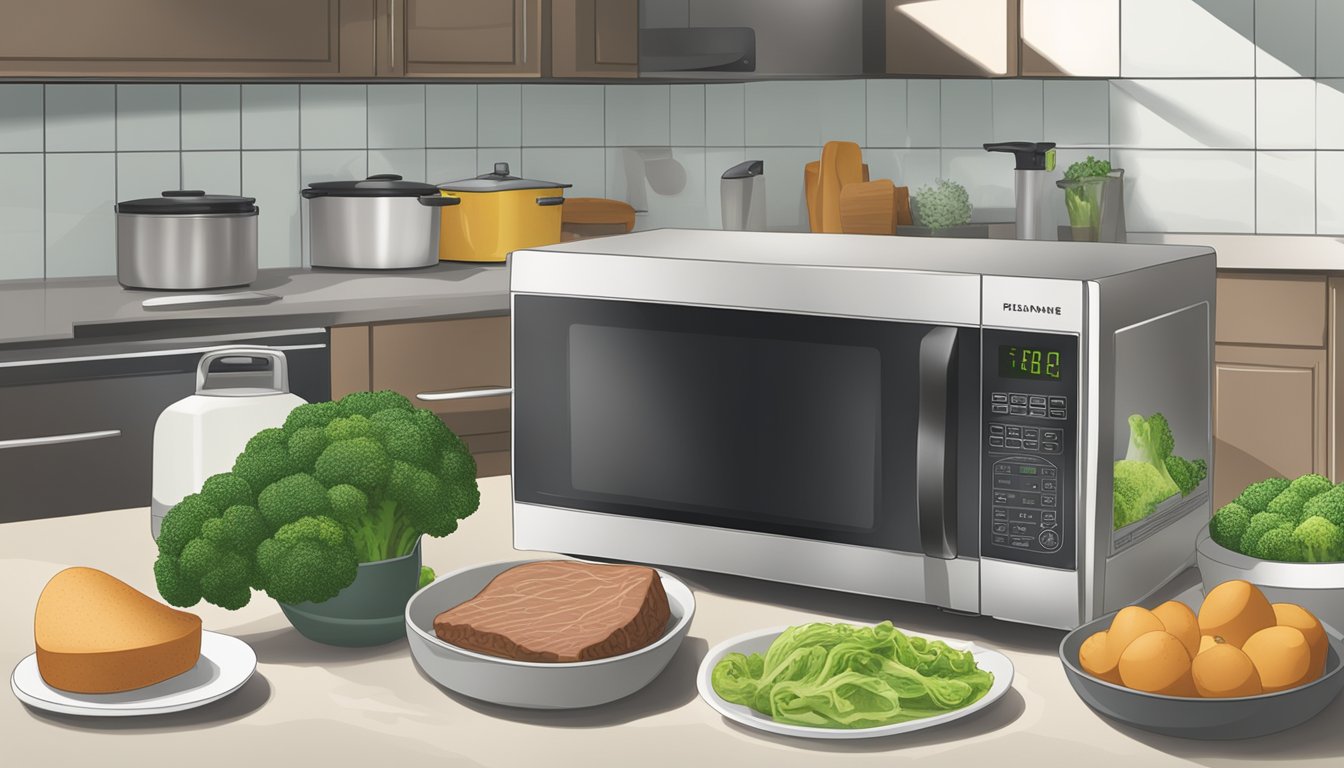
<point>97,634</point>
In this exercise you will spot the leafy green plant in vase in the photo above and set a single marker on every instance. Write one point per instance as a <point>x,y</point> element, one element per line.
<point>941,207</point>
<point>1084,184</point>
<point>324,514</point>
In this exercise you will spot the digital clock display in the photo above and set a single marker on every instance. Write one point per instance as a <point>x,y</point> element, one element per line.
<point>1029,363</point>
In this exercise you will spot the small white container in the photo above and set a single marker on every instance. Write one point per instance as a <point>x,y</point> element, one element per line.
<point>202,435</point>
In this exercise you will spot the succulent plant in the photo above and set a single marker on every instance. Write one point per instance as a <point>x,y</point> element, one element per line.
<point>943,205</point>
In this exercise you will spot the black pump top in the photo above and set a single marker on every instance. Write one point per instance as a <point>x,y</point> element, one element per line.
<point>745,170</point>
<point>1031,155</point>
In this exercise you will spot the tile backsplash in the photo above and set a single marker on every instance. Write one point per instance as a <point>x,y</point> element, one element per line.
<point>1214,150</point>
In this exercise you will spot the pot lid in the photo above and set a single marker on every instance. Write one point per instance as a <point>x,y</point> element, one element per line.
<point>378,185</point>
<point>499,181</point>
<point>184,201</point>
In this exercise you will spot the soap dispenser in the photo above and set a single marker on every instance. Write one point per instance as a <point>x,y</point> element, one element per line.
<point>1033,184</point>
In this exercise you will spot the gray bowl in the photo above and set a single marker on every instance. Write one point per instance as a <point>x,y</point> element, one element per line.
<point>1318,587</point>
<point>534,685</point>
<point>1234,718</point>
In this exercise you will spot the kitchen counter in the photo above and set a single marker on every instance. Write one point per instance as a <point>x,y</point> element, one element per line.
<point>374,706</point>
<point>40,312</point>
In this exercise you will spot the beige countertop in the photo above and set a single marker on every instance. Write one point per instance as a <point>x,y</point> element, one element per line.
<point>321,705</point>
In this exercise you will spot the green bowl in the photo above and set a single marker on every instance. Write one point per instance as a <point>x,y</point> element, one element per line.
<point>371,611</point>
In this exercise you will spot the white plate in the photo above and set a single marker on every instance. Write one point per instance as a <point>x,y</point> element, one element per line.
<point>225,664</point>
<point>760,640</point>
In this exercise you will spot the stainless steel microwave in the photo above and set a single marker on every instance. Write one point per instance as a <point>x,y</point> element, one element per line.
<point>926,419</point>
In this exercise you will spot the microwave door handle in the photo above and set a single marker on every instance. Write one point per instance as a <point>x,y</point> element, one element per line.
<point>935,449</point>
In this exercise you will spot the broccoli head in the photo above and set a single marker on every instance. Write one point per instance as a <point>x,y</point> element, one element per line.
<point>1256,497</point>
<point>1229,525</point>
<point>225,490</point>
<point>1310,485</point>
<point>1261,524</point>
<point>1320,540</point>
<point>1138,492</point>
<point>1329,505</point>
<point>1277,544</point>
<point>292,498</point>
<point>1186,474</point>
<point>184,522</point>
<point>1138,488</point>
<point>1290,504</point>
<point>307,561</point>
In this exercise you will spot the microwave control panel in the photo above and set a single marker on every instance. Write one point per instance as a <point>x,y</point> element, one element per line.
<point>1028,447</point>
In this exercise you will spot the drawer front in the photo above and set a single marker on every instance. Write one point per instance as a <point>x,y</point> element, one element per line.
<point>446,355</point>
<point>1272,309</point>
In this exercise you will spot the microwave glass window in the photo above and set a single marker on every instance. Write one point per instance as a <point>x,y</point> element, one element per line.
<point>766,430</point>
<point>1021,362</point>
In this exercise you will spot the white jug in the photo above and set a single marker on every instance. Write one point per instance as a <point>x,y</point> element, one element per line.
<point>201,435</point>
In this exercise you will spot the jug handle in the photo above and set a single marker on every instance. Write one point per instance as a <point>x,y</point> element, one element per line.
<point>279,370</point>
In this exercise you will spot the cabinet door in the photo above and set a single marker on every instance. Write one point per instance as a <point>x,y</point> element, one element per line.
<point>972,38</point>
<point>1269,416</point>
<point>1071,37</point>
<point>473,38</point>
<point>186,38</point>
<point>595,38</point>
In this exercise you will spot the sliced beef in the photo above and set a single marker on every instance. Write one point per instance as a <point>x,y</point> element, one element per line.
<point>560,610</point>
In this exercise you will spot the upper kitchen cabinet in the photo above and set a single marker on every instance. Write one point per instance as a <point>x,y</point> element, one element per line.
<point>186,38</point>
<point>970,38</point>
<point>460,38</point>
<point>594,38</point>
<point>1079,38</point>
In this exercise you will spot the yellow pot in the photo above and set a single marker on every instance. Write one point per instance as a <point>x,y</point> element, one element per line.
<point>499,213</point>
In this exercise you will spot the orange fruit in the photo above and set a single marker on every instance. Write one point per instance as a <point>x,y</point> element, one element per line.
<point>1100,656</point>
<point>1223,671</point>
<point>1235,610</point>
<point>1180,622</point>
<point>1299,618</point>
<point>1157,662</point>
<point>1097,661</point>
<point>1280,655</point>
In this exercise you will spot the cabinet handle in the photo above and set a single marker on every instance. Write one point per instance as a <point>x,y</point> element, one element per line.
<point>392,35</point>
<point>524,31</point>
<point>465,394</point>
<point>76,437</point>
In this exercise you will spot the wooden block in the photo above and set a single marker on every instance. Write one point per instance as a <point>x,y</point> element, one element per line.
<point>868,208</point>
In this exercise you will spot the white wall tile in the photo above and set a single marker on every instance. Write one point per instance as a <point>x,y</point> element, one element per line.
<point>1019,110</point>
<point>499,115</point>
<point>488,157</point>
<point>81,118</point>
<point>1176,114</point>
<point>270,116</point>
<point>1285,193</point>
<point>218,173</point>
<point>563,116</point>
<point>327,165</point>
<point>397,117</point>
<point>409,164</point>
<point>638,115</point>
<point>988,179</point>
<point>1329,31</point>
<point>1188,190</point>
<point>923,112</point>
<point>886,113</point>
<point>211,116</point>
<point>967,113</point>
<point>717,160</point>
<point>688,115</point>
<point>725,115</point>
<point>1330,208</point>
<point>450,115</point>
<point>21,215</point>
<point>20,117</point>
<point>841,107</point>
<point>148,117</point>
<point>1285,38</point>
<point>583,167</point>
<point>333,116</point>
<point>911,168</point>
<point>785,205</point>
<point>1285,114</point>
<point>147,174</point>
<point>273,179</point>
<point>1078,112</point>
<point>783,114</point>
<point>1330,114</point>
<point>1187,38</point>
<point>444,165</point>
<point>81,228</point>
<point>666,185</point>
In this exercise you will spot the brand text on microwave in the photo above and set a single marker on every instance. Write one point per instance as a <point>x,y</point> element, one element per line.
<point>1032,308</point>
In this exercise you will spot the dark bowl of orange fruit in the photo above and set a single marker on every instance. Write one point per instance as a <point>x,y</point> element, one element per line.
<point>1234,666</point>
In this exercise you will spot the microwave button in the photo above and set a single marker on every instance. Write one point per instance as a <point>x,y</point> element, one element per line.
<point>1012,442</point>
<point>1002,541</point>
<point>1000,514</point>
<point>1018,399</point>
<point>1050,435</point>
<point>1047,471</point>
<point>999,408</point>
<point>1021,529</point>
<point>1057,402</point>
<point>1048,485</point>
<point>1049,539</point>
<point>1048,500</point>
<point>1001,497</point>
<point>1028,500</point>
<point>1017,410</point>
<point>1000,527</point>
<point>996,429</point>
<point>1014,431</point>
<point>1037,400</point>
<point>1056,414</point>
<point>1023,515</point>
<point>995,442</point>
<point>1050,447</point>
<point>1003,469</point>
<point>1031,445</point>
<point>1031,433</point>
<point>998,397</point>
<point>1003,482</point>
<point>1022,542</point>
<point>1049,526</point>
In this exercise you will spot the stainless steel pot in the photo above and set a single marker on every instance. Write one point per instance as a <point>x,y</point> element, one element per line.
<point>380,222</point>
<point>187,240</point>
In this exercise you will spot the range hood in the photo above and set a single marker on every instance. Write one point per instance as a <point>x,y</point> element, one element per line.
<point>697,49</point>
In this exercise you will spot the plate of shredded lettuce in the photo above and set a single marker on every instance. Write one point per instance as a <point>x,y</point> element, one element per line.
<point>845,681</point>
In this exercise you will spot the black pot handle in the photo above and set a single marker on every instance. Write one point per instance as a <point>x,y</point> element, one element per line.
<point>550,200</point>
<point>438,201</point>
<point>384,177</point>
<point>309,194</point>
<point>184,193</point>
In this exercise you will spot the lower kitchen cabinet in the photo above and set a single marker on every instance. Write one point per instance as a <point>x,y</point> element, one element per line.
<point>424,358</point>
